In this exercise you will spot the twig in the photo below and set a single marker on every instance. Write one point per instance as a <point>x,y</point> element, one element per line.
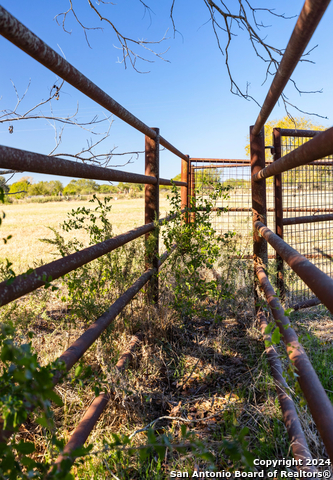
<point>179,419</point>
<point>112,474</point>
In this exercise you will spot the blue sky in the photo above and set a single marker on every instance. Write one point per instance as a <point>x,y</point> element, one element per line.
<point>188,97</point>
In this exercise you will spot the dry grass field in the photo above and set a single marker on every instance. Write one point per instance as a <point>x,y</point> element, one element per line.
<point>28,222</point>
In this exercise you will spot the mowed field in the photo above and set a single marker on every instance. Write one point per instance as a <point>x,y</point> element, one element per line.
<point>29,222</point>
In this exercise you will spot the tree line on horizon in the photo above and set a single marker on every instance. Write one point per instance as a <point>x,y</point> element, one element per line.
<point>25,187</point>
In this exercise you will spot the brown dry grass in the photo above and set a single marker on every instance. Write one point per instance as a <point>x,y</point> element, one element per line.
<point>28,222</point>
<point>211,373</point>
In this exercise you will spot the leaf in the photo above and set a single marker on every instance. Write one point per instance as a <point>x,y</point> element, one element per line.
<point>269,328</point>
<point>276,336</point>
<point>160,451</point>
<point>207,456</point>
<point>25,447</point>
<point>78,370</point>
<point>42,421</point>
<point>55,398</point>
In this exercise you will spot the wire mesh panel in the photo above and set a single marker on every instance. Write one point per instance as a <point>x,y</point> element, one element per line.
<point>235,176</point>
<point>307,191</point>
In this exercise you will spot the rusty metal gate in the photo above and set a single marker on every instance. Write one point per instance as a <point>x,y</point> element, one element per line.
<point>304,209</point>
<point>236,208</point>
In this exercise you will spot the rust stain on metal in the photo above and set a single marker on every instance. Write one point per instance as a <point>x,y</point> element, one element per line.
<point>315,395</point>
<point>291,132</point>
<point>307,219</point>
<point>128,354</point>
<point>163,181</point>
<point>91,416</point>
<point>278,210</point>
<point>296,435</point>
<point>220,160</point>
<point>258,192</point>
<point>152,211</point>
<point>24,284</point>
<point>224,165</point>
<point>192,192</point>
<point>311,302</point>
<point>309,18</point>
<point>36,162</point>
<point>185,189</point>
<point>320,283</point>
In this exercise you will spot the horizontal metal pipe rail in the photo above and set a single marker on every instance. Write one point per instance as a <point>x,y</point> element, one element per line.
<point>320,283</point>
<point>307,219</point>
<point>318,147</point>
<point>311,302</point>
<point>23,38</point>
<point>291,209</point>
<point>228,165</point>
<point>71,356</point>
<point>309,18</point>
<point>273,257</point>
<point>220,160</point>
<point>39,163</point>
<point>296,435</point>
<point>24,283</point>
<point>81,345</point>
<point>291,132</point>
<point>304,209</point>
<point>319,404</point>
<point>162,181</point>
<point>95,410</point>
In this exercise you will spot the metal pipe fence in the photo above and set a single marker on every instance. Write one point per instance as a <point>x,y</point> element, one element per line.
<point>21,160</point>
<point>302,161</point>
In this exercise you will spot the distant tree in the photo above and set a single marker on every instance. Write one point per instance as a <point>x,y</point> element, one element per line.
<point>207,178</point>
<point>297,176</point>
<point>106,188</point>
<point>122,187</point>
<point>300,123</point>
<point>54,187</point>
<point>45,188</point>
<point>3,185</point>
<point>21,187</point>
<point>81,186</point>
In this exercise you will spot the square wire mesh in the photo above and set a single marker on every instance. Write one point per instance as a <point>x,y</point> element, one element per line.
<point>307,191</point>
<point>238,217</point>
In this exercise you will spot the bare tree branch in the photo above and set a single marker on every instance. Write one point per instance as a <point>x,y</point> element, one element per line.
<point>226,17</point>
<point>126,43</point>
<point>10,116</point>
<point>87,154</point>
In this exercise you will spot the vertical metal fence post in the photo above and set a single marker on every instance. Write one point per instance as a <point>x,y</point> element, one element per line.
<point>192,198</point>
<point>258,190</point>
<point>278,211</point>
<point>152,212</point>
<point>188,186</point>
<point>184,190</point>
